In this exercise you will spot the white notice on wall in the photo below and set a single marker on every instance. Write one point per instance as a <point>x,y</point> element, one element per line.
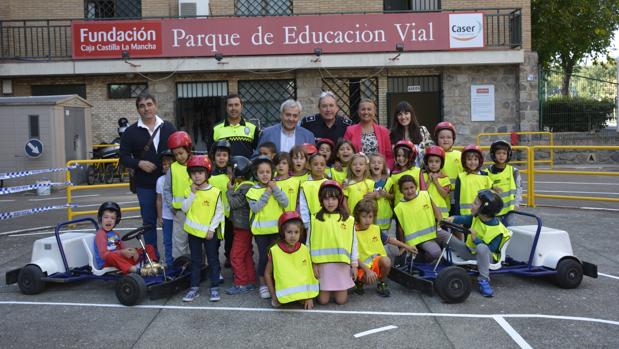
<point>482,102</point>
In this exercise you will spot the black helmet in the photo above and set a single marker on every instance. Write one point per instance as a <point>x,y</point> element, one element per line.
<point>222,143</point>
<point>123,123</point>
<point>500,143</point>
<point>109,206</point>
<point>241,166</point>
<point>167,153</point>
<point>491,203</point>
<point>259,160</point>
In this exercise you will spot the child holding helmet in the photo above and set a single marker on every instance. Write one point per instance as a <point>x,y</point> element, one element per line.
<point>205,213</point>
<point>488,235</point>
<point>433,180</point>
<point>506,177</point>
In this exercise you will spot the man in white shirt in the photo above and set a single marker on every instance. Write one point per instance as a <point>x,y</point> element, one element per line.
<point>287,133</point>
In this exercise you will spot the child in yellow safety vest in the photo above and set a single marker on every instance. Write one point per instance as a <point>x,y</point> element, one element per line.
<point>344,150</point>
<point>374,265</point>
<point>506,177</point>
<point>487,237</point>
<point>220,178</point>
<point>290,185</point>
<point>379,174</point>
<point>445,137</point>
<point>266,202</point>
<point>471,181</point>
<point>288,273</point>
<point>358,183</point>
<point>298,162</point>
<point>204,209</point>
<point>333,245</point>
<point>175,186</point>
<point>405,154</point>
<point>308,194</point>
<point>433,180</point>
<point>326,147</point>
<point>417,218</point>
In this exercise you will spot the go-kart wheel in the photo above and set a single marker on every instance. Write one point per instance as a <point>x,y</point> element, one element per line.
<point>130,289</point>
<point>108,173</point>
<point>135,233</point>
<point>29,279</point>
<point>453,284</point>
<point>182,262</point>
<point>91,175</point>
<point>453,227</point>
<point>569,273</point>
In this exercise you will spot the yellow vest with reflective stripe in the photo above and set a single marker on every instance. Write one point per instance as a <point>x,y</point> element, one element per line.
<point>453,166</point>
<point>470,185</point>
<point>355,192</point>
<point>310,190</point>
<point>237,185</point>
<point>264,222</point>
<point>416,218</point>
<point>384,214</point>
<point>487,233</point>
<point>331,239</point>
<point>370,244</point>
<point>506,181</point>
<point>339,176</point>
<point>290,186</point>
<point>220,182</point>
<point>441,202</point>
<point>392,183</point>
<point>180,182</point>
<point>236,132</point>
<point>201,212</point>
<point>293,274</point>
<point>302,178</point>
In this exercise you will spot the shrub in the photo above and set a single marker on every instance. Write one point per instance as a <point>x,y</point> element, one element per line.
<point>565,114</point>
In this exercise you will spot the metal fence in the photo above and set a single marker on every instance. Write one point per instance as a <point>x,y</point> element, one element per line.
<point>350,91</point>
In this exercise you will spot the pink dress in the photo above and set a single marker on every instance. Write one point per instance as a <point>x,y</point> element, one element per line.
<point>335,276</point>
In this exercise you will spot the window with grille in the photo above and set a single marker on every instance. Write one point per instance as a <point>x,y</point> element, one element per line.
<point>118,91</point>
<point>112,9</point>
<point>263,7</point>
<point>350,91</point>
<point>262,98</point>
<point>411,5</point>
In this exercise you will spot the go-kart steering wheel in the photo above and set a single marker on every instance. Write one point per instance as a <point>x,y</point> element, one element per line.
<point>135,233</point>
<point>454,227</point>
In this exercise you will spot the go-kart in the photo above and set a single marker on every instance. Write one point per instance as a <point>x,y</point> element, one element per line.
<point>532,251</point>
<point>69,257</point>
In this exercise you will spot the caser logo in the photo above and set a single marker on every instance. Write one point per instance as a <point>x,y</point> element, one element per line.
<point>466,30</point>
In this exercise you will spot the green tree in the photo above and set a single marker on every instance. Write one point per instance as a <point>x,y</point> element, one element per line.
<point>566,31</point>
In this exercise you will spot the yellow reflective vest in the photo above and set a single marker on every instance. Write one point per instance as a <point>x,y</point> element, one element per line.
<point>355,192</point>
<point>240,132</point>
<point>441,202</point>
<point>339,176</point>
<point>453,166</point>
<point>487,233</point>
<point>370,245</point>
<point>302,178</point>
<point>290,186</point>
<point>310,190</point>
<point>392,183</point>
<point>220,182</point>
<point>470,185</point>
<point>180,182</point>
<point>264,222</point>
<point>385,212</point>
<point>506,181</point>
<point>201,212</point>
<point>293,274</point>
<point>416,217</point>
<point>331,240</point>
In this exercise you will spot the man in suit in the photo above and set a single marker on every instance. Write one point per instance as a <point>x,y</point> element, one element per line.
<point>287,133</point>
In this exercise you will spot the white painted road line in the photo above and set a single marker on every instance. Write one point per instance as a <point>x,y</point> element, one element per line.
<point>512,333</point>
<point>7,200</point>
<point>609,276</point>
<point>64,197</point>
<point>376,330</point>
<point>575,192</point>
<point>118,202</point>
<point>578,183</point>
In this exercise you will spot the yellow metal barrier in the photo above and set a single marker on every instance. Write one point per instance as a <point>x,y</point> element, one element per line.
<point>551,142</point>
<point>105,145</point>
<point>70,212</point>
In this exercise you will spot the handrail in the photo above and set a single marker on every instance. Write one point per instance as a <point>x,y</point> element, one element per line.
<point>524,133</point>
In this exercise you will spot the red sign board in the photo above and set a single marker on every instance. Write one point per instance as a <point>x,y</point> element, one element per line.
<point>243,36</point>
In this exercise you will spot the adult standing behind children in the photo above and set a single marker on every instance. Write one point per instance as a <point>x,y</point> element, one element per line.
<point>327,124</point>
<point>287,133</point>
<point>242,134</point>
<point>142,154</point>
<point>406,128</point>
<point>368,136</point>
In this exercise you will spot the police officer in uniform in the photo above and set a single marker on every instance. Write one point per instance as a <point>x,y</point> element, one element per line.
<point>242,135</point>
<point>327,124</point>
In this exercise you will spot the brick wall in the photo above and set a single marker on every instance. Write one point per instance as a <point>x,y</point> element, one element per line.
<point>159,8</point>
<point>36,9</point>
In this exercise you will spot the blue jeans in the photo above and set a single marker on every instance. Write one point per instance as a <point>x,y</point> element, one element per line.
<point>148,208</point>
<point>167,240</point>
<point>212,257</point>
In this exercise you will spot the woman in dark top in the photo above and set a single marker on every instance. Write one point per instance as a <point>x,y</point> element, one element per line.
<point>406,127</point>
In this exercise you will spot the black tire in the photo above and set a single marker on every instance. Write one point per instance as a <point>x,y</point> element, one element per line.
<point>182,262</point>
<point>29,279</point>
<point>91,175</point>
<point>108,173</point>
<point>569,273</point>
<point>453,284</point>
<point>130,289</point>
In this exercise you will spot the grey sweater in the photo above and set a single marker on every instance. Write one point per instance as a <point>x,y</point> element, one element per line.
<point>239,208</point>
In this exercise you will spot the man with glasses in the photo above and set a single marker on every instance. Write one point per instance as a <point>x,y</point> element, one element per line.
<point>327,124</point>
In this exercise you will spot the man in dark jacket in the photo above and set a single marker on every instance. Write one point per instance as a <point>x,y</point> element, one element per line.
<point>147,164</point>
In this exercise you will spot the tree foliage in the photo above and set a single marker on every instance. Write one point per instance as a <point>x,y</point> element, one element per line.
<point>566,31</point>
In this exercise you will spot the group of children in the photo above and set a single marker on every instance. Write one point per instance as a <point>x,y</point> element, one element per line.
<point>320,214</point>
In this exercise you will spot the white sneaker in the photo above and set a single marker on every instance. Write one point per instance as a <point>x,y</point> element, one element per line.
<point>264,292</point>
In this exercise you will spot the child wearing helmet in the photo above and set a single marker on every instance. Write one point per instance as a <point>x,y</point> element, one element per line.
<point>204,217</point>
<point>308,193</point>
<point>241,255</point>
<point>405,153</point>
<point>433,180</point>
<point>326,147</point>
<point>445,137</point>
<point>266,202</point>
<point>220,178</point>
<point>488,235</point>
<point>174,188</point>
<point>506,177</point>
<point>110,250</point>
<point>288,273</point>
<point>471,181</point>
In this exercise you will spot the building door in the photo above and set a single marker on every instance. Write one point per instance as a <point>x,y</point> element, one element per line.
<point>422,92</point>
<point>74,134</point>
<point>200,106</point>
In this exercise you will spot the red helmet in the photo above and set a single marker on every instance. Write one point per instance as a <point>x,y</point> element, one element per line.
<point>310,149</point>
<point>179,139</point>
<point>320,141</point>
<point>335,184</point>
<point>288,216</point>
<point>436,151</point>
<point>409,145</point>
<point>199,161</point>
<point>472,148</point>
<point>445,125</point>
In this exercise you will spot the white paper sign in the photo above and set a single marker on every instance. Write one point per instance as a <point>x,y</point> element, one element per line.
<point>482,102</point>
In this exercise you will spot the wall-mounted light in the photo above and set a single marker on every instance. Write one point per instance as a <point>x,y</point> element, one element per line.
<point>219,58</point>
<point>318,53</point>
<point>125,55</point>
<point>399,48</point>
